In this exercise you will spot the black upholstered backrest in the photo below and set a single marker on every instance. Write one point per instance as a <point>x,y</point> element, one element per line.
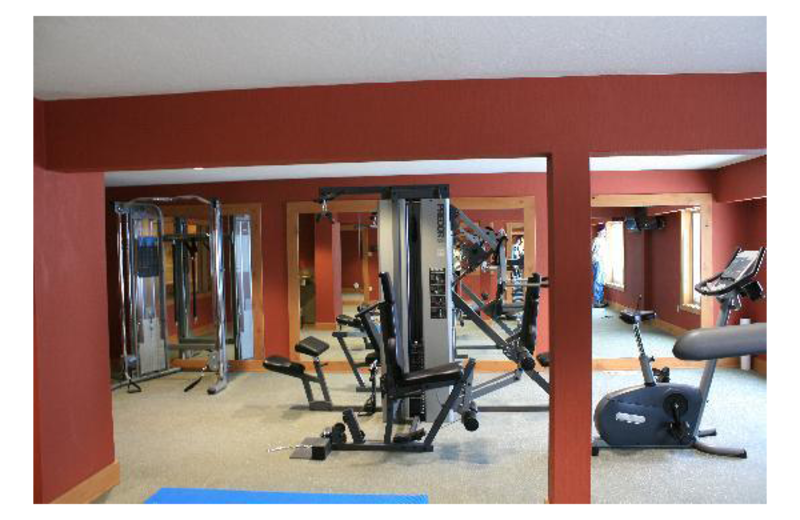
<point>373,335</point>
<point>530,313</point>
<point>389,328</point>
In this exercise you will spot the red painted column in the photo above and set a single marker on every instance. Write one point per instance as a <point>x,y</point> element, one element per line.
<point>37,442</point>
<point>569,214</point>
<point>328,271</point>
<point>74,423</point>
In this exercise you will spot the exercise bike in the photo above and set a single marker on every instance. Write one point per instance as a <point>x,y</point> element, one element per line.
<point>636,317</point>
<point>661,414</point>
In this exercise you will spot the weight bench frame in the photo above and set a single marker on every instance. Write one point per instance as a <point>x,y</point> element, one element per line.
<point>340,336</point>
<point>326,405</point>
<point>393,402</point>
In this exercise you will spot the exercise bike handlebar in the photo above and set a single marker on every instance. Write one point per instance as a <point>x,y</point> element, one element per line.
<point>721,284</point>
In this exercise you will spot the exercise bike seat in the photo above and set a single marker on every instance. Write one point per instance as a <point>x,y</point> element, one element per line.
<point>311,346</point>
<point>722,342</point>
<point>284,366</point>
<point>442,375</point>
<point>632,316</point>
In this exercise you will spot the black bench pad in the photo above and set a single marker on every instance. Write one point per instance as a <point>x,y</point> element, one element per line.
<point>632,317</point>
<point>284,365</point>
<point>311,346</point>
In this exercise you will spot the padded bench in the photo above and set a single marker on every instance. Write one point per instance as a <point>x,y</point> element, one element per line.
<point>442,375</point>
<point>313,348</point>
<point>309,346</point>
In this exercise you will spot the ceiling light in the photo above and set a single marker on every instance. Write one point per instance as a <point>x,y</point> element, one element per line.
<point>198,168</point>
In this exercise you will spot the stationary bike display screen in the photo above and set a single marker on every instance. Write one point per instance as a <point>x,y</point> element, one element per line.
<point>741,266</point>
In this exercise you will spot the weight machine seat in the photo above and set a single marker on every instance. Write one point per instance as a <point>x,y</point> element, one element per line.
<point>311,346</point>
<point>632,317</point>
<point>722,342</point>
<point>343,320</point>
<point>284,366</point>
<point>442,375</point>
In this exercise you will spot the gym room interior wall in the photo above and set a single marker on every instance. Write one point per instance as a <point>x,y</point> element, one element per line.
<point>740,191</point>
<point>73,430</point>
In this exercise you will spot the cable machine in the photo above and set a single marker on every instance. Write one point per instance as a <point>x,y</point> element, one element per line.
<point>142,285</point>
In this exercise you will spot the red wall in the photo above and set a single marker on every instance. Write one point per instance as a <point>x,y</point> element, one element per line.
<point>407,121</point>
<point>36,454</point>
<point>663,274</point>
<point>351,260</point>
<point>306,243</point>
<point>654,181</point>
<point>39,158</point>
<point>635,264</point>
<point>742,191</point>
<point>741,181</point>
<point>72,407</point>
<point>327,271</point>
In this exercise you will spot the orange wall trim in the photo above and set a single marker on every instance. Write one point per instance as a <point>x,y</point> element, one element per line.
<point>90,489</point>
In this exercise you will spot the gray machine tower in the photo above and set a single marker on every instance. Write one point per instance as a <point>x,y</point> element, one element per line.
<point>415,244</point>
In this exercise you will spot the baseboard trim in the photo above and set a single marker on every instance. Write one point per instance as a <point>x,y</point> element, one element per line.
<point>760,365</point>
<point>668,327</point>
<point>93,487</point>
<point>633,363</point>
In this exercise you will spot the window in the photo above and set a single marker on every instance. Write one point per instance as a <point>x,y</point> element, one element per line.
<point>691,233</point>
<point>614,257</point>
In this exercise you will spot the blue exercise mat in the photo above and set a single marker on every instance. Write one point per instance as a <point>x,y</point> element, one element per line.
<point>225,496</point>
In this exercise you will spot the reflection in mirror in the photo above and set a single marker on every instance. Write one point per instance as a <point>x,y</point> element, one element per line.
<point>190,318</point>
<point>495,301</point>
<point>642,260</point>
<point>358,245</point>
<point>357,239</point>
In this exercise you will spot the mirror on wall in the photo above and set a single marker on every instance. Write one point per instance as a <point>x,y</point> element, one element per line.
<point>645,261</point>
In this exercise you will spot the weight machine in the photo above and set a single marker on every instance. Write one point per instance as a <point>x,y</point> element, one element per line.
<point>478,246</point>
<point>414,237</point>
<point>141,255</point>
